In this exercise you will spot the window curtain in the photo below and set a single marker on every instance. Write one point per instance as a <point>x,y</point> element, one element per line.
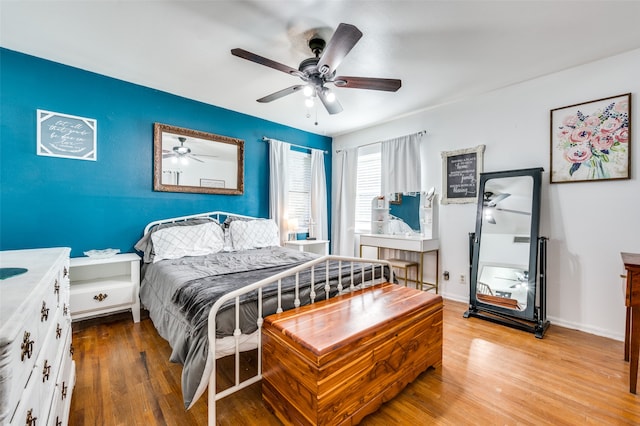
<point>279,186</point>
<point>344,202</point>
<point>401,164</point>
<point>318,227</point>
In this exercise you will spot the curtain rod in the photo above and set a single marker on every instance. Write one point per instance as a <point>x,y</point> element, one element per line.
<point>421,133</point>
<point>266,139</point>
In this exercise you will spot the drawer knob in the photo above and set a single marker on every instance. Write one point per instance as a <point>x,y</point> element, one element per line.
<point>65,309</point>
<point>58,331</point>
<point>44,312</point>
<point>31,421</point>
<point>45,371</point>
<point>58,421</point>
<point>65,272</point>
<point>64,391</point>
<point>56,287</point>
<point>100,297</point>
<point>71,349</point>
<point>27,346</point>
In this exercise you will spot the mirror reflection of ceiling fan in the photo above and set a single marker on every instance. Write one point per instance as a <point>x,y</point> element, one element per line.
<point>180,152</point>
<point>492,201</point>
<point>319,70</point>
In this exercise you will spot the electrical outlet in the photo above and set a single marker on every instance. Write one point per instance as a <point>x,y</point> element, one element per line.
<point>463,279</point>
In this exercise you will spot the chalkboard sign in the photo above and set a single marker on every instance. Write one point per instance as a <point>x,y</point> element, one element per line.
<point>460,172</point>
<point>66,136</point>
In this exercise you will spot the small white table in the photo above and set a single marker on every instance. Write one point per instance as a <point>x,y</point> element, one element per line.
<point>414,244</point>
<point>102,286</point>
<point>320,247</point>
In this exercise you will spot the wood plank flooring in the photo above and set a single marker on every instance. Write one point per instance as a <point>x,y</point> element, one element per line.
<point>491,375</point>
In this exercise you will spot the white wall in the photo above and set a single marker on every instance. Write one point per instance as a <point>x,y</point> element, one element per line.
<point>588,224</point>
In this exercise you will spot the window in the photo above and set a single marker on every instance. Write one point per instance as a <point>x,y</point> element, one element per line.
<point>299,170</point>
<point>368,185</point>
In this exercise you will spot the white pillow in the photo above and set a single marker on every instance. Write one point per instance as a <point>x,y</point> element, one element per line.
<point>181,241</point>
<point>251,234</point>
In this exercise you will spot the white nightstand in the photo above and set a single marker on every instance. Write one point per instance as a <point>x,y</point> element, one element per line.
<point>101,286</point>
<point>311,246</point>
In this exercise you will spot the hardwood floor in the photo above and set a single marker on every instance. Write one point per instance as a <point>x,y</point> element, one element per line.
<point>490,375</point>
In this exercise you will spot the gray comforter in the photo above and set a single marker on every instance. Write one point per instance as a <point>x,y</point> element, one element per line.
<point>179,294</point>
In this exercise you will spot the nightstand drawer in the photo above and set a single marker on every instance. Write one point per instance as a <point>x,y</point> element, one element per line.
<point>97,296</point>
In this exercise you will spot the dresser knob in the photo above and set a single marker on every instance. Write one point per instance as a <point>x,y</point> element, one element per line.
<point>45,371</point>
<point>44,312</point>
<point>65,309</point>
<point>31,421</point>
<point>65,272</point>
<point>71,349</point>
<point>56,287</point>
<point>58,331</point>
<point>58,421</point>
<point>64,391</point>
<point>100,297</point>
<point>27,346</point>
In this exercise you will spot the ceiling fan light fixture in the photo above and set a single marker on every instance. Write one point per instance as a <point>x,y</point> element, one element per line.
<point>309,102</point>
<point>308,90</point>
<point>329,95</point>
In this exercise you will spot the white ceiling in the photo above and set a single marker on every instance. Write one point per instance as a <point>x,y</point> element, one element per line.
<point>442,51</point>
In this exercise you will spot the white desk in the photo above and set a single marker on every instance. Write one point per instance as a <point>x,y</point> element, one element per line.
<point>415,244</point>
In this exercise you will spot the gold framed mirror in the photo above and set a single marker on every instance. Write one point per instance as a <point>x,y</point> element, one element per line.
<point>188,160</point>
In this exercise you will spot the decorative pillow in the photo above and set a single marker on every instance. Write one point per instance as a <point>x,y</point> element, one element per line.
<point>228,245</point>
<point>254,234</point>
<point>145,244</point>
<point>197,240</point>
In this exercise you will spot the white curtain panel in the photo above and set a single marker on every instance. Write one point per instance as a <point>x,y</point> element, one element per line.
<point>318,196</point>
<point>344,202</point>
<point>401,166</point>
<point>279,186</point>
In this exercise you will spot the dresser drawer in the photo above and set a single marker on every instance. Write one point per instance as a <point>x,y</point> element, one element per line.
<point>65,382</point>
<point>100,296</point>
<point>29,347</point>
<point>29,411</point>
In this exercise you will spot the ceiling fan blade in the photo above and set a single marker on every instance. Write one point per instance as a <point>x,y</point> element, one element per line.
<point>196,159</point>
<point>332,107</point>
<point>386,84</point>
<point>281,93</point>
<point>241,53</point>
<point>341,43</point>
<point>499,197</point>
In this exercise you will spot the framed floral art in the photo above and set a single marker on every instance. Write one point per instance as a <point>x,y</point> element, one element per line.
<point>591,141</point>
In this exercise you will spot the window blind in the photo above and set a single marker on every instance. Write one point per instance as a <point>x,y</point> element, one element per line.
<point>300,188</point>
<point>368,185</point>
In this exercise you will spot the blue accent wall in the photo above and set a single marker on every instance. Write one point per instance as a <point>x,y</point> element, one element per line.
<point>49,201</point>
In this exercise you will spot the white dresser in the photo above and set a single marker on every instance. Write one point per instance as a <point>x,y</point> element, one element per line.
<point>37,372</point>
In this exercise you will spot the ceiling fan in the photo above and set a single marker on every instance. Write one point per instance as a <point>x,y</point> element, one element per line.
<point>180,152</point>
<point>319,70</point>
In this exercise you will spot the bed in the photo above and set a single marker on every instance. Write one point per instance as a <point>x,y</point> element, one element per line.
<point>209,279</point>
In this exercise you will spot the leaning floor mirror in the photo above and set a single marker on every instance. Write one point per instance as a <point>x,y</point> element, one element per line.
<point>508,256</point>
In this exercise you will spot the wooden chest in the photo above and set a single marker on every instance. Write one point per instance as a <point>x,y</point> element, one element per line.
<point>336,361</point>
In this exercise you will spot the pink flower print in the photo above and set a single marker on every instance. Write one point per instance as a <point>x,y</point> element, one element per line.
<point>622,135</point>
<point>578,153</point>
<point>602,142</point>
<point>570,120</point>
<point>581,135</point>
<point>610,125</point>
<point>564,133</point>
<point>592,121</point>
<point>621,106</point>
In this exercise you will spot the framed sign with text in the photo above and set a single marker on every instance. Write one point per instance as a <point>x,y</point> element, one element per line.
<point>460,174</point>
<point>66,136</point>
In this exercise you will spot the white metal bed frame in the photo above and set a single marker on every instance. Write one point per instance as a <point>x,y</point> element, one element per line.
<point>312,266</point>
